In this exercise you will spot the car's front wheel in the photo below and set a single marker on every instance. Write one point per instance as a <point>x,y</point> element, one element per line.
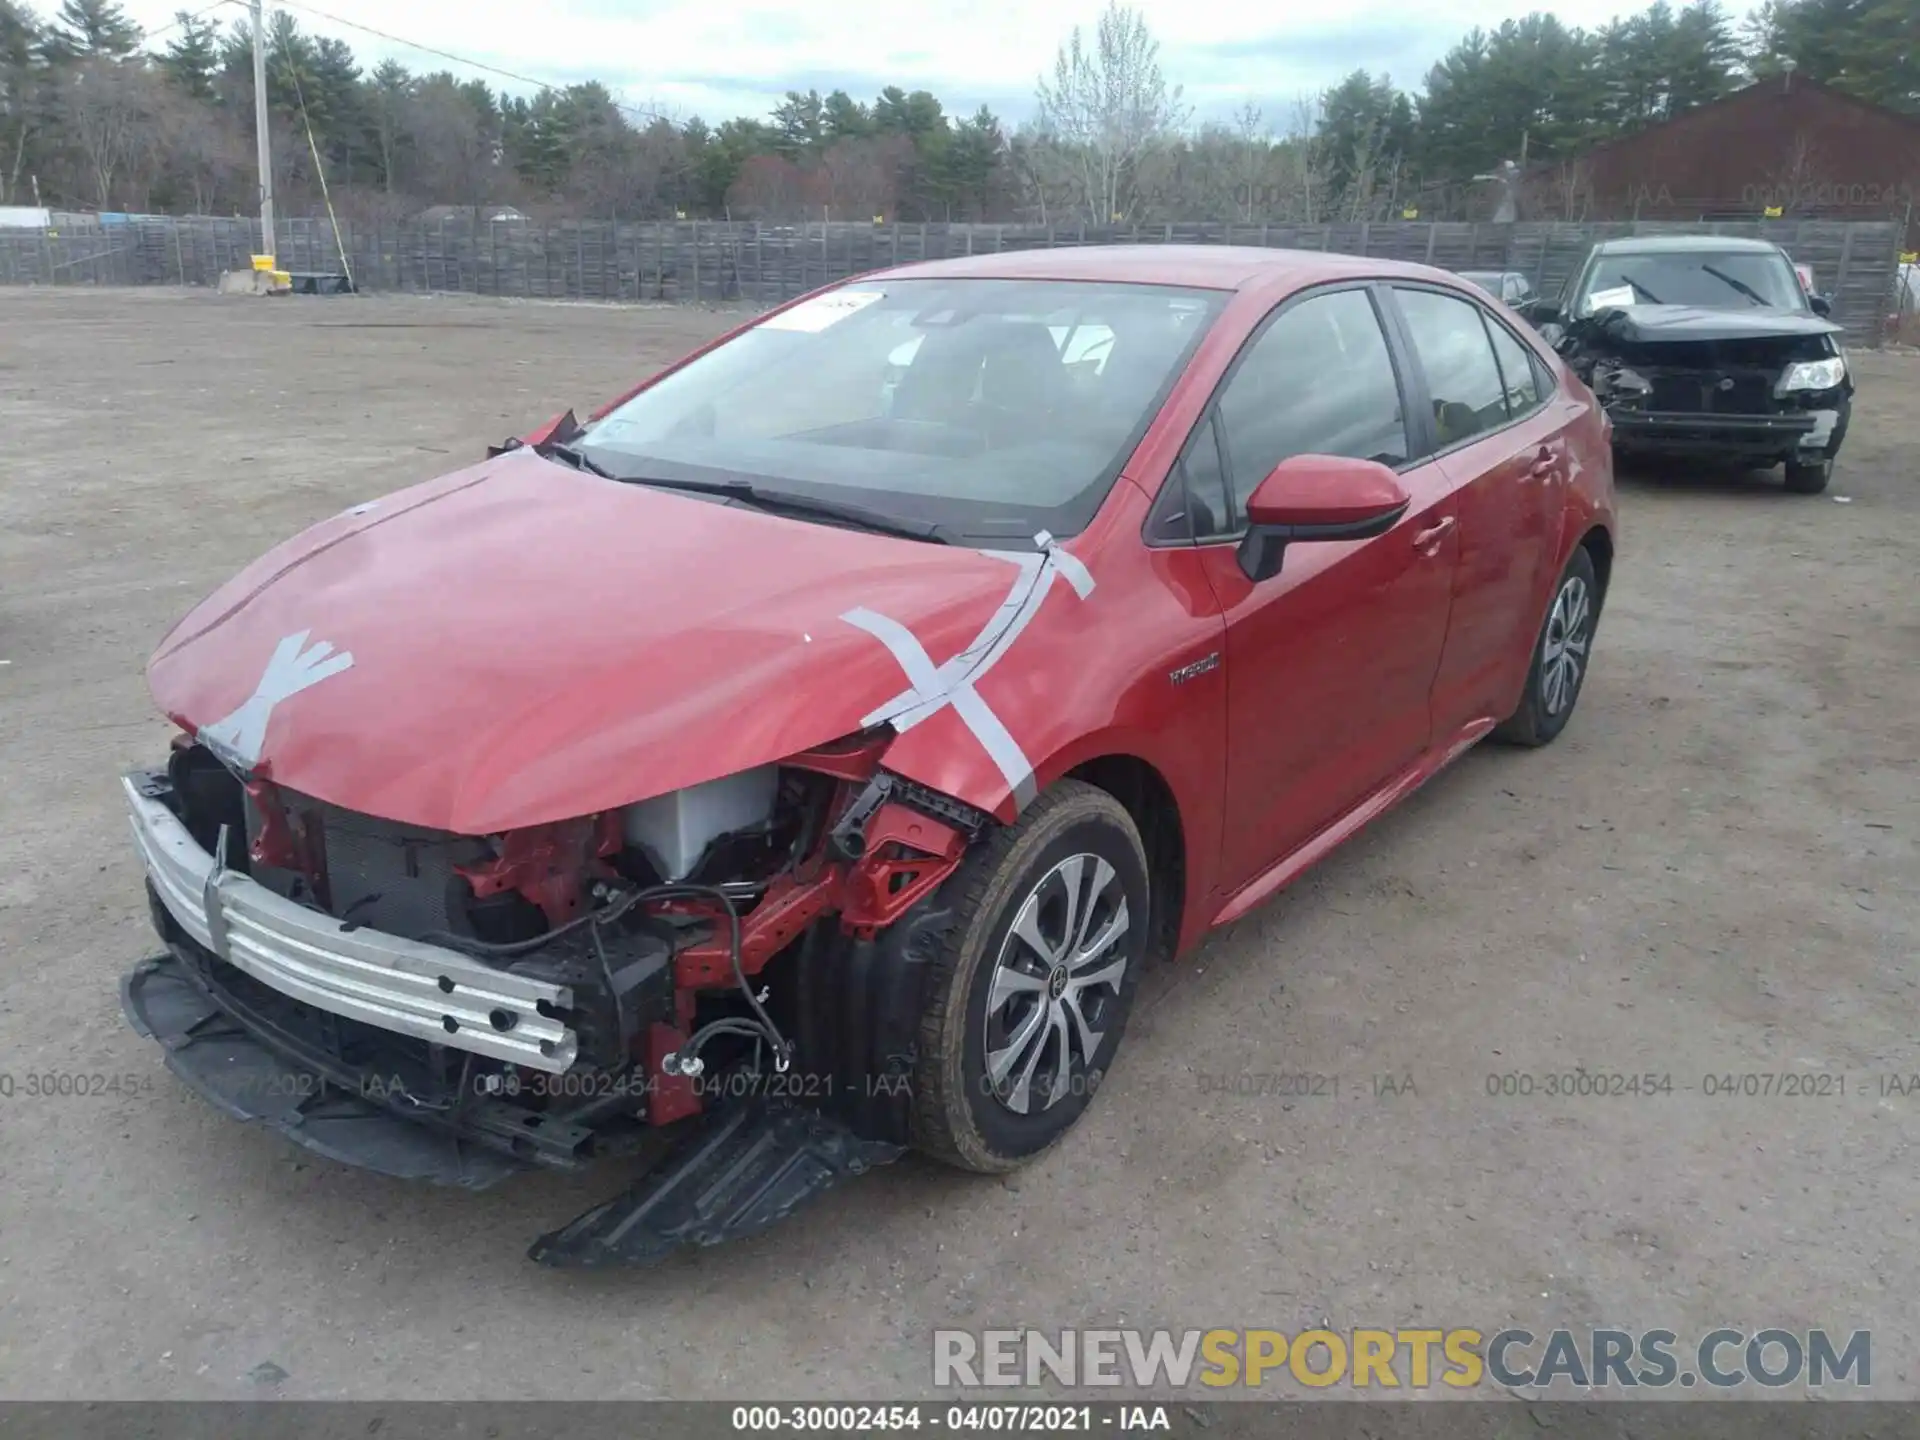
<point>1029,997</point>
<point>1560,657</point>
<point>1808,477</point>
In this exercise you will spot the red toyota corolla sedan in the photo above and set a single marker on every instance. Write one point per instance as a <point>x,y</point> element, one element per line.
<point>801,760</point>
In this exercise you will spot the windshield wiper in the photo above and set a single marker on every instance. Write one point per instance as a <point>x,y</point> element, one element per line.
<point>578,459</point>
<point>557,446</point>
<point>1740,285</point>
<point>1635,285</point>
<point>787,502</point>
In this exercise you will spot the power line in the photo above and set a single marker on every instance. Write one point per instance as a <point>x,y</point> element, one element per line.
<point>648,115</point>
<point>180,20</point>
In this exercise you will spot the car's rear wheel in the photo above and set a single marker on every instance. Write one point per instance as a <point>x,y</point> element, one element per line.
<point>1028,999</point>
<point>1560,657</point>
<point>1808,477</point>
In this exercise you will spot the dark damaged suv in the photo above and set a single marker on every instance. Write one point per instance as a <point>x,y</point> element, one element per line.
<point>1707,347</point>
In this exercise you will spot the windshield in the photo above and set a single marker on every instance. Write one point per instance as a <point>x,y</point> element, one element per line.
<point>992,408</point>
<point>1740,280</point>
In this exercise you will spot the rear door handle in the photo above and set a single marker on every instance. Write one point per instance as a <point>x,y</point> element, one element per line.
<point>1543,465</point>
<point>1433,534</point>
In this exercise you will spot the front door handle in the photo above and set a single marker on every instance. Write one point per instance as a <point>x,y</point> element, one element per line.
<point>1543,465</point>
<point>1431,537</point>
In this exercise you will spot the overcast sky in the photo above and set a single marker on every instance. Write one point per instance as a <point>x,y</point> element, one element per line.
<point>719,58</point>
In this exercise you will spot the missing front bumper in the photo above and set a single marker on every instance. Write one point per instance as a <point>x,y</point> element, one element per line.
<point>424,991</point>
<point>734,1173</point>
<point>334,1036</point>
<point>228,1064</point>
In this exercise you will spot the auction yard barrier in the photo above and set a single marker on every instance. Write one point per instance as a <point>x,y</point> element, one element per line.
<point>754,264</point>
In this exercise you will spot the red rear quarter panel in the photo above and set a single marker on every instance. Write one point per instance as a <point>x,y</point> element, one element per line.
<point>1590,493</point>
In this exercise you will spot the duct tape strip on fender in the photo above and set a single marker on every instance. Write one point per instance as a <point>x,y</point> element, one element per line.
<point>931,689</point>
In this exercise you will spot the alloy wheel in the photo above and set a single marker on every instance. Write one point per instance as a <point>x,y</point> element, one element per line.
<point>1055,984</point>
<point>1563,657</point>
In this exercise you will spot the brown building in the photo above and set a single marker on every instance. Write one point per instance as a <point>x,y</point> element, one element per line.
<point>1783,144</point>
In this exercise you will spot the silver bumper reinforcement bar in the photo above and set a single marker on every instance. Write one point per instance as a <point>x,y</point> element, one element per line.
<point>426,991</point>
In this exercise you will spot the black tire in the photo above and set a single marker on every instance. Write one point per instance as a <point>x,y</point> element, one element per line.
<point>1808,477</point>
<point>958,1116</point>
<point>1547,704</point>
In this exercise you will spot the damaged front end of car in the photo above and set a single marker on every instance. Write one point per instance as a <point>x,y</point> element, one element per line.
<point>724,980</point>
<point>1680,381</point>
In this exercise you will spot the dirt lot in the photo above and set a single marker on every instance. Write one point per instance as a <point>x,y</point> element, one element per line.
<point>1713,873</point>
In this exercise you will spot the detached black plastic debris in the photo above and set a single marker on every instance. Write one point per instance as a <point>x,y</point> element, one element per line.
<point>227,1066</point>
<point>744,1170</point>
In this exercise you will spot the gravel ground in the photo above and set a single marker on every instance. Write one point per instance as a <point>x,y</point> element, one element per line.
<point>1712,873</point>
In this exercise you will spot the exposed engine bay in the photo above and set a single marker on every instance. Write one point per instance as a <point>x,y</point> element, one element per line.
<point>1674,379</point>
<point>457,1008</point>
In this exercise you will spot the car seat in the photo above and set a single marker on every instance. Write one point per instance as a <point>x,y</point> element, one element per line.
<point>1022,382</point>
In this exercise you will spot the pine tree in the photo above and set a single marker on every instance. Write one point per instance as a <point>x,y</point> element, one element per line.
<point>192,57</point>
<point>91,29</point>
<point>1867,48</point>
<point>20,41</point>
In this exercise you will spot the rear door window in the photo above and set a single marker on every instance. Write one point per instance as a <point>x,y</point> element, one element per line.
<point>1544,380</point>
<point>1517,373</point>
<point>1463,378</point>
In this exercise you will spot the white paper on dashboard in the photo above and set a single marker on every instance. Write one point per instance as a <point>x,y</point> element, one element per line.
<point>1620,295</point>
<point>812,316</point>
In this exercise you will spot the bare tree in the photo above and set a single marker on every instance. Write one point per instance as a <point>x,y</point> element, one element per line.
<point>208,158</point>
<point>769,187</point>
<point>1209,177</point>
<point>1108,106</point>
<point>388,90</point>
<point>1565,193</point>
<point>858,178</point>
<point>1792,180</point>
<point>1373,175</point>
<point>105,107</point>
<point>1045,177</point>
<point>456,144</point>
<point>1305,179</point>
<point>622,173</point>
<point>1256,145</point>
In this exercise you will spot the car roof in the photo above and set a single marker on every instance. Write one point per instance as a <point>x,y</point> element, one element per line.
<point>1669,244</point>
<point>1204,267</point>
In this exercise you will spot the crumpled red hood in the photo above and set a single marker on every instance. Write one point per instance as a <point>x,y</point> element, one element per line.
<point>529,643</point>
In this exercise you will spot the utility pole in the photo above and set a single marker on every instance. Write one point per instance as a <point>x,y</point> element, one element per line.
<point>260,131</point>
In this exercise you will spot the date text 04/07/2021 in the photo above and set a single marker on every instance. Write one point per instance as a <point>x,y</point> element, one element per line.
<point>569,1085</point>
<point>1038,1419</point>
<point>1750,1084</point>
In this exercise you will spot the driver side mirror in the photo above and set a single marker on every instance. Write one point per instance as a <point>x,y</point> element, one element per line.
<point>1539,311</point>
<point>1317,497</point>
<point>1822,305</point>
